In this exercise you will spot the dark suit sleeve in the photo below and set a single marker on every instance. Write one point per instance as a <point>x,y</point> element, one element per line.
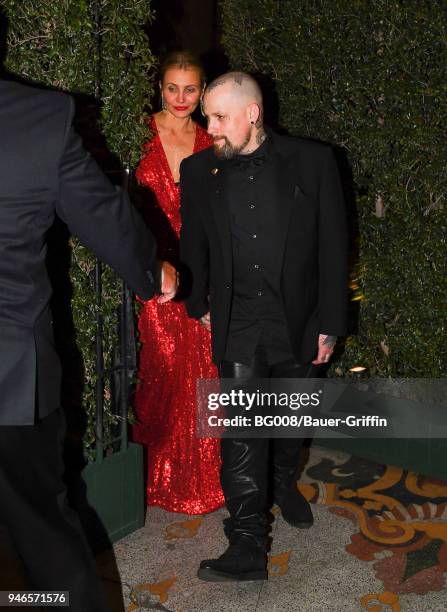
<point>333,278</point>
<point>102,217</point>
<point>194,250</point>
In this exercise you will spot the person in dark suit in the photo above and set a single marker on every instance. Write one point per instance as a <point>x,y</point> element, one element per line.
<point>264,239</point>
<point>44,172</point>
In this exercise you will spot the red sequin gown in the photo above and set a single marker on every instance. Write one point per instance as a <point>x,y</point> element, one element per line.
<point>183,470</point>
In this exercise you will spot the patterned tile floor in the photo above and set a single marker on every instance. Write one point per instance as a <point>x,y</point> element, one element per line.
<point>379,543</point>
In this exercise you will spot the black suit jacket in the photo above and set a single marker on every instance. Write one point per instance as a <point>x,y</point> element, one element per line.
<point>44,171</point>
<point>309,248</point>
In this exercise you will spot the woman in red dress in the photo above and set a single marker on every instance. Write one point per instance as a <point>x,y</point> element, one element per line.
<point>183,470</point>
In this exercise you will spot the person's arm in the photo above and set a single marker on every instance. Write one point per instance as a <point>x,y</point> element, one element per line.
<point>102,217</point>
<point>194,251</point>
<point>333,277</point>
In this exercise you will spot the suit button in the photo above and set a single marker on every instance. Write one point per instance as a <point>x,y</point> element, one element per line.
<point>227,286</point>
<point>254,236</point>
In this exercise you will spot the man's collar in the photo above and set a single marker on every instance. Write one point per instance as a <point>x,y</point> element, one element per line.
<point>255,158</point>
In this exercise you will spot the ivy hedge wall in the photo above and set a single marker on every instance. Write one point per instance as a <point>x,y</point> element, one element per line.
<point>370,78</point>
<point>98,51</point>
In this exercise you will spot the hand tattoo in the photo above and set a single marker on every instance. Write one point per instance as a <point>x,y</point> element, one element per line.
<point>330,341</point>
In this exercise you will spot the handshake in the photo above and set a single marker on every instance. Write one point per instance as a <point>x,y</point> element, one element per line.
<point>168,283</point>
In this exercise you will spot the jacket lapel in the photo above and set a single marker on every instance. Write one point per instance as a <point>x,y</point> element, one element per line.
<point>287,186</point>
<point>219,208</point>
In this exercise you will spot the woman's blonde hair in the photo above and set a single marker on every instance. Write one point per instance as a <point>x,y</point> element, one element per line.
<point>184,60</point>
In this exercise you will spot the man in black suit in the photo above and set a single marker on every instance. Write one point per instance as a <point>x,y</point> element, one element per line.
<point>44,171</point>
<point>264,238</point>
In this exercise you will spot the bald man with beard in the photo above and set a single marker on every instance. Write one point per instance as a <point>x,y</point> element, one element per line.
<point>264,240</point>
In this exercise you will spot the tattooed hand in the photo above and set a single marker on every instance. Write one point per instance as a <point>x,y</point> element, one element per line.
<point>326,346</point>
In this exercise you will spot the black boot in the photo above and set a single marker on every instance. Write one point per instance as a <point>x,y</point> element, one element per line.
<point>295,508</point>
<point>246,557</point>
<point>242,561</point>
<point>228,527</point>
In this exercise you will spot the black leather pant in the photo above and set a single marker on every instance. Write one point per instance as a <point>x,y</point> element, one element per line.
<point>246,462</point>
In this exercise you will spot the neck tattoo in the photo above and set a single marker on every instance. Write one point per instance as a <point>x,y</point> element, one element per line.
<point>261,136</point>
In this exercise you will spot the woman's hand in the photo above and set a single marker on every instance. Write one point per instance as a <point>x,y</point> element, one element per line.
<point>206,321</point>
<point>169,282</point>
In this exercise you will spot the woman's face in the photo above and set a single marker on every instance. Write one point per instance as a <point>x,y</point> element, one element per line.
<point>181,91</point>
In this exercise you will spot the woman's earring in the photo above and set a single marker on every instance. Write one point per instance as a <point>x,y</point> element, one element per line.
<point>163,103</point>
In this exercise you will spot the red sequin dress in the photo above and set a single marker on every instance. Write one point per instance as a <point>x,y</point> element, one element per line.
<point>183,470</point>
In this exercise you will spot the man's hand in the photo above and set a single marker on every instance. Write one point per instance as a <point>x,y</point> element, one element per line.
<point>169,283</point>
<point>326,346</point>
<point>206,321</point>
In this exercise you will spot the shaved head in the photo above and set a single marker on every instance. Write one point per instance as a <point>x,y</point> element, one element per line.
<point>232,104</point>
<point>240,85</point>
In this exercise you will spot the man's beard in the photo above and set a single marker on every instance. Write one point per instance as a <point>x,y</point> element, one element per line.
<point>229,150</point>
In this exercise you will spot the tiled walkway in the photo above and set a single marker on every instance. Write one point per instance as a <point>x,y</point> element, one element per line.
<point>379,539</point>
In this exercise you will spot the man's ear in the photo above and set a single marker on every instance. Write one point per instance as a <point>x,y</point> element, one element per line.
<point>253,112</point>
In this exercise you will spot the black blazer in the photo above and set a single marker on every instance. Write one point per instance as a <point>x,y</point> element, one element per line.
<point>44,171</point>
<point>309,249</point>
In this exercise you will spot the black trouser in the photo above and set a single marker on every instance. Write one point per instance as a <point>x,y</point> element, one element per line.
<point>45,530</point>
<point>245,461</point>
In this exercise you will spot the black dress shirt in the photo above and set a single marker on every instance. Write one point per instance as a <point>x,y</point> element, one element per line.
<point>257,317</point>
